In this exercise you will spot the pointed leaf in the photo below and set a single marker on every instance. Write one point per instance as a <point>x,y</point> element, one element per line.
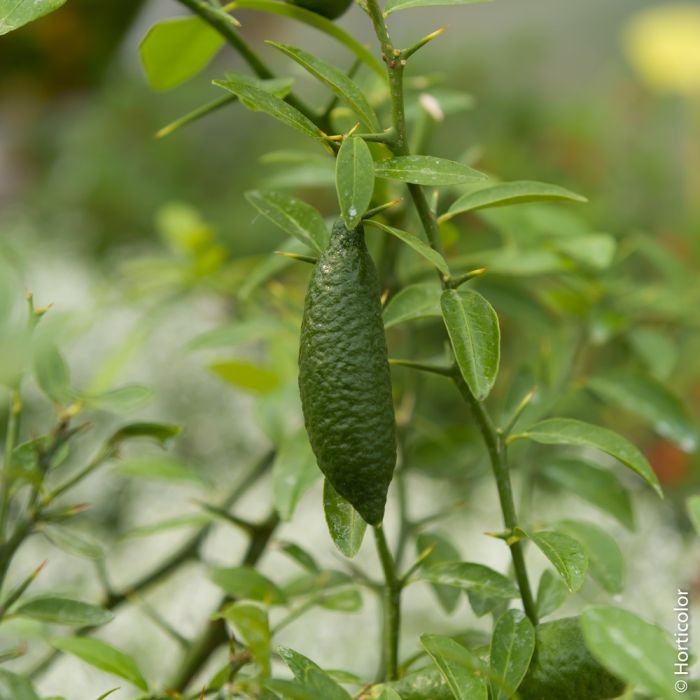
<point>17,13</point>
<point>104,657</point>
<point>247,376</point>
<point>551,593</point>
<point>293,473</point>
<point>18,687</point>
<point>253,627</point>
<point>342,86</point>
<point>412,302</point>
<point>63,611</point>
<point>426,170</point>
<point>569,431</point>
<point>312,676</point>
<point>567,555</point>
<point>161,432</point>
<point>472,325</point>
<point>442,550</point>
<point>175,50</point>
<point>345,525</point>
<point>631,648</point>
<point>293,216</point>
<point>463,671</point>
<point>512,646</point>
<point>246,582</point>
<point>354,180</point>
<point>470,577</point>
<point>396,5</point>
<point>595,250</point>
<point>420,246</point>
<point>121,400</point>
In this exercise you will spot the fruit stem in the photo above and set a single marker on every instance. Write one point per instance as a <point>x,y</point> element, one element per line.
<point>392,608</point>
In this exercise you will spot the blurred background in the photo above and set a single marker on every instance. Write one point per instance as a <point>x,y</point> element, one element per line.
<point>140,243</point>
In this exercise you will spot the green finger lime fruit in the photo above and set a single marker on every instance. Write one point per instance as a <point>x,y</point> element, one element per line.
<point>331,9</point>
<point>562,667</point>
<point>344,376</point>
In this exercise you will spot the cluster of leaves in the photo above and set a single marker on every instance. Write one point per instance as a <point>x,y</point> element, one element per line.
<point>555,283</point>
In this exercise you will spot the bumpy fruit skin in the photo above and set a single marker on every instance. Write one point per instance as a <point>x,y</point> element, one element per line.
<point>562,667</point>
<point>344,376</point>
<point>331,9</point>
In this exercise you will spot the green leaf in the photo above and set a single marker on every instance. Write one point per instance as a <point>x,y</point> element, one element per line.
<point>291,690</point>
<point>426,170</point>
<point>470,577</point>
<point>340,84</point>
<point>387,693</point>
<point>300,556</point>
<point>345,525</point>
<point>657,350</point>
<point>51,373</point>
<point>247,376</point>
<point>76,543</point>
<point>512,646</point>
<point>104,657</point>
<point>420,246</point>
<point>18,687</point>
<point>312,676</point>
<point>412,302</point>
<point>123,399</point>
<point>600,487</point>
<point>293,473</point>
<point>108,693</point>
<point>462,670</point>
<point>319,22</point>
<point>631,648</point>
<point>293,216</point>
<point>175,50</point>
<point>566,553</point>
<point>343,601</point>
<point>396,5</point>
<point>650,400</point>
<point>551,593</point>
<point>354,180</point>
<point>472,325</point>
<point>160,468</point>
<point>62,611</point>
<point>237,333</point>
<point>16,13</point>
<point>253,627</point>
<point>160,432</point>
<point>507,193</point>
<point>595,250</point>
<point>569,431</point>
<point>442,550</point>
<point>246,582</point>
<point>191,520</point>
<point>605,562</point>
<point>693,506</point>
<point>259,100</point>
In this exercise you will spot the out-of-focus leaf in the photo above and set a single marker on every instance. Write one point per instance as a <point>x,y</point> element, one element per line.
<point>246,582</point>
<point>252,624</point>
<point>441,550</point>
<point>631,648</point>
<point>51,372</point>
<point>293,473</point>
<point>693,506</point>
<point>63,611</point>
<point>300,556</point>
<point>103,656</point>
<point>551,593</point>
<point>16,13</point>
<point>354,180</point>
<point>160,432</point>
<point>191,520</point>
<point>124,399</point>
<point>472,325</point>
<point>247,376</point>
<point>658,352</point>
<point>73,542</point>
<point>18,687</point>
<point>236,333</point>
<point>345,525</point>
<point>175,50</point>
<point>160,467</point>
<point>569,431</point>
<point>595,250</point>
<point>512,646</point>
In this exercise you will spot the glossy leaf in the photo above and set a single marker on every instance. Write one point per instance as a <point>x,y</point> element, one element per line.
<point>104,657</point>
<point>246,582</point>
<point>345,525</point>
<point>512,646</point>
<point>472,325</point>
<point>605,561</point>
<point>470,577</point>
<point>63,611</point>
<point>412,302</point>
<point>693,506</point>
<point>551,593</point>
<point>426,170</point>
<point>292,215</point>
<point>293,473</point>
<point>566,554</point>
<point>396,5</point>
<point>462,670</point>
<point>175,50</point>
<point>340,84</point>
<point>354,180</point>
<point>312,676</point>
<point>508,193</point>
<point>651,401</point>
<point>418,244</point>
<point>258,100</point>
<point>18,687</point>
<point>253,627</point>
<point>16,13</point>
<point>442,550</point>
<point>631,648</point>
<point>569,431</point>
<point>600,487</point>
<point>247,376</point>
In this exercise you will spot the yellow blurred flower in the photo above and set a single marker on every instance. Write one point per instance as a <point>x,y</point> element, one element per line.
<point>663,45</point>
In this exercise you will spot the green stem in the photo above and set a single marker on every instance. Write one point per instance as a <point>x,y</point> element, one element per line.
<point>499,465</point>
<point>392,608</point>
<point>15,409</point>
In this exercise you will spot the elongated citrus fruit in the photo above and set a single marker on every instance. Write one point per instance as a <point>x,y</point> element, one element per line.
<point>344,376</point>
<point>331,9</point>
